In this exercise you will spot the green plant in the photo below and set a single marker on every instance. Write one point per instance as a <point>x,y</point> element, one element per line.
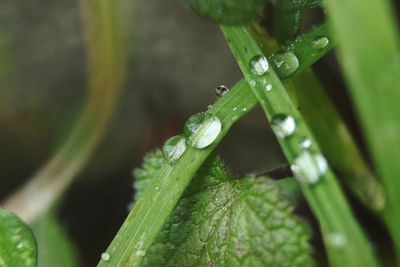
<point>189,210</point>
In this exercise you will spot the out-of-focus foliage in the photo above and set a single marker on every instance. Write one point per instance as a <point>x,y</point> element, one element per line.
<point>17,243</point>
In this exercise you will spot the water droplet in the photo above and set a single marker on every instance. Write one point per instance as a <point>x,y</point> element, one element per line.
<point>221,90</point>
<point>244,109</point>
<point>253,83</point>
<point>174,148</point>
<point>283,125</point>
<point>309,168</point>
<point>305,143</point>
<point>259,65</point>
<point>286,63</point>
<point>202,129</point>
<point>105,256</point>
<point>157,189</point>
<point>337,239</point>
<point>140,253</point>
<point>320,43</point>
<point>234,109</point>
<point>268,87</point>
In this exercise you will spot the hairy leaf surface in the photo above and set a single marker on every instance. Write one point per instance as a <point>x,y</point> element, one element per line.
<point>221,221</point>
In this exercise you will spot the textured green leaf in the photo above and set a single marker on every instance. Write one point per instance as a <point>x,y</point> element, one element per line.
<point>17,243</point>
<point>221,221</point>
<point>55,248</point>
<point>233,12</point>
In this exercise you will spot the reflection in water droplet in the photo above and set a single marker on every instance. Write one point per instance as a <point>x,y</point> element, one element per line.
<point>305,143</point>
<point>221,90</point>
<point>309,168</point>
<point>105,256</point>
<point>201,130</point>
<point>286,63</point>
<point>259,65</point>
<point>320,43</point>
<point>268,87</point>
<point>174,148</point>
<point>283,125</point>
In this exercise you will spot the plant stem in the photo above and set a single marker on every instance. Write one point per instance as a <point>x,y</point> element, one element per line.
<point>106,71</point>
<point>153,208</point>
<point>333,136</point>
<point>325,197</point>
<point>369,53</point>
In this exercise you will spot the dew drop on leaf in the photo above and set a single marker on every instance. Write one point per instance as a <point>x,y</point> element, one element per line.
<point>253,83</point>
<point>105,256</point>
<point>259,65</point>
<point>305,143</point>
<point>201,130</point>
<point>308,168</point>
<point>320,43</point>
<point>286,63</point>
<point>221,90</point>
<point>337,239</point>
<point>174,148</point>
<point>268,87</point>
<point>283,125</point>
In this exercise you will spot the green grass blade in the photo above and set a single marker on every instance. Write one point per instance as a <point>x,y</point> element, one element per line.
<point>325,196</point>
<point>368,46</point>
<point>332,134</point>
<point>152,209</point>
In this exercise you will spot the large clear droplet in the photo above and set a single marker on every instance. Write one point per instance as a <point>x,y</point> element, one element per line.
<point>283,125</point>
<point>259,65</point>
<point>309,168</point>
<point>221,90</point>
<point>202,129</point>
<point>105,256</point>
<point>320,43</point>
<point>174,148</point>
<point>286,63</point>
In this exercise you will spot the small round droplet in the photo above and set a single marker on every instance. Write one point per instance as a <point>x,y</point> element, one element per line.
<point>140,253</point>
<point>105,256</point>
<point>286,63</point>
<point>305,143</point>
<point>320,43</point>
<point>259,65</point>
<point>309,168</point>
<point>157,188</point>
<point>174,148</point>
<point>268,87</point>
<point>253,83</point>
<point>201,130</point>
<point>283,125</point>
<point>221,90</point>
<point>337,239</point>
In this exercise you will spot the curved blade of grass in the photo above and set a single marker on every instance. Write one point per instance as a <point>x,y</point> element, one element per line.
<point>368,45</point>
<point>325,198</point>
<point>333,136</point>
<point>106,71</point>
<point>154,206</point>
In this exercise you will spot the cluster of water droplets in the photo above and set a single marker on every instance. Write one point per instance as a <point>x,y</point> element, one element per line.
<point>200,131</point>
